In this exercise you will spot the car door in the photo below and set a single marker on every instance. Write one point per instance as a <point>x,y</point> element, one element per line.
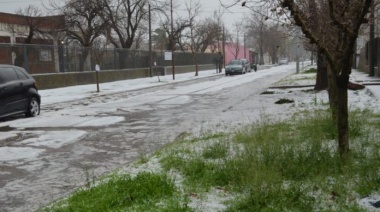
<point>25,84</point>
<point>12,97</point>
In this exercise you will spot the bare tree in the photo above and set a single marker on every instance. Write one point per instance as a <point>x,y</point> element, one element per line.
<point>124,17</point>
<point>193,10</point>
<point>83,24</point>
<point>335,38</point>
<point>321,82</point>
<point>127,21</point>
<point>273,39</point>
<point>257,27</point>
<point>30,19</point>
<point>235,41</point>
<point>30,23</point>
<point>174,40</point>
<point>206,33</point>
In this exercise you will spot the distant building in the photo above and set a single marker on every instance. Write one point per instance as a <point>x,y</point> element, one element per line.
<point>232,52</point>
<point>41,53</point>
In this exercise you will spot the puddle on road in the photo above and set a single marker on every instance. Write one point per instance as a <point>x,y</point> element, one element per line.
<point>6,129</point>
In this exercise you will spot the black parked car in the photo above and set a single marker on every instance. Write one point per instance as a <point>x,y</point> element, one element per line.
<point>18,92</point>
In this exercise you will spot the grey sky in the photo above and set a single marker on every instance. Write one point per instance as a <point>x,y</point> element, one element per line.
<point>234,14</point>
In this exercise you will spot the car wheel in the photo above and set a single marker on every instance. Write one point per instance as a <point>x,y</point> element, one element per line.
<point>33,108</point>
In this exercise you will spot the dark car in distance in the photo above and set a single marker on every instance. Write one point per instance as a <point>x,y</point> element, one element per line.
<point>18,92</point>
<point>235,67</point>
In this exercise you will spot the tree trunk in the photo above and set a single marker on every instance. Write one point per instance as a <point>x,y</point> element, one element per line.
<point>337,89</point>
<point>312,57</point>
<point>371,44</point>
<point>274,59</point>
<point>82,60</point>
<point>321,81</point>
<point>19,61</point>
<point>122,58</point>
<point>196,63</point>
<point>261,62</point>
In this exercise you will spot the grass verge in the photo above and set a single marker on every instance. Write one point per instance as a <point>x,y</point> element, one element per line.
<point>289,165</point>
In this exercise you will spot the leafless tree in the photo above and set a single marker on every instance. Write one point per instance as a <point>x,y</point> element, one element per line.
<point>124,18</point>
<point>256,28</point>
<point>235,41</point>
<point>335,38</point>
<point>208,33</point>
<point>83,24</point>
<point>193,10</point>
<point>29,23</point>
<point>174,40</point>
<point>30,19</point>
<point>273,41</point>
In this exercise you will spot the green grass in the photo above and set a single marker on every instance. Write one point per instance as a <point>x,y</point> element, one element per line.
<point>311,70</point>
<point>290,165</point>
<point>124,193</point>
<point>216,150</point>
<point>309,166</point>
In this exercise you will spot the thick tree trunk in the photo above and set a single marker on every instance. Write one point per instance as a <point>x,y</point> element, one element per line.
<point>321,81</point>
<point>82,60</point>
<point>261,62</point>
<point>312,58</point>
<point>337,89</point>
<point>123,58</point>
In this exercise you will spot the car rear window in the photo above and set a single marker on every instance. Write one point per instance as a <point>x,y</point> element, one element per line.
<point>21,74</point>
<point>233,62</point>
<point>8,74</point>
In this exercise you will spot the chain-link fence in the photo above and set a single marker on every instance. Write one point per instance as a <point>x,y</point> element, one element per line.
<point>40,59</point>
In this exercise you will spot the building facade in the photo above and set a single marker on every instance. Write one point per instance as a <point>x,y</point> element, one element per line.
<point>30,42</point>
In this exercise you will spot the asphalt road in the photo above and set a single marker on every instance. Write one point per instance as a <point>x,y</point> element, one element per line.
<point>166,112</point>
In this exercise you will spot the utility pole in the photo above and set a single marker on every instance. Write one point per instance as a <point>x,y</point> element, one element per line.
<point>224,47</point>
<point>172,37</point>
<point>245,56</point>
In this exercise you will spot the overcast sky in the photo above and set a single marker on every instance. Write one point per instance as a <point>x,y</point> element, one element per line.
<point>234,14</point>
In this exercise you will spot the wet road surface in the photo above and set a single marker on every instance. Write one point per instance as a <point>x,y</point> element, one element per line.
<point>148,119</point>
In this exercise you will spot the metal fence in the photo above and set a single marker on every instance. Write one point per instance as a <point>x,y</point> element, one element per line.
<point>40,59</point>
